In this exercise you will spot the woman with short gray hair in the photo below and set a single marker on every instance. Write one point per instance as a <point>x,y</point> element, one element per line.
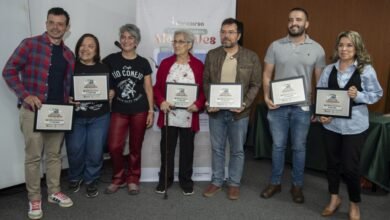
<point>131,110</point>
<point>182,67</point>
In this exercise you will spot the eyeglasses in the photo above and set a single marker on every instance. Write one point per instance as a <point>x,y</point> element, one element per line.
<point>179,42</point>
<point>228,32</point>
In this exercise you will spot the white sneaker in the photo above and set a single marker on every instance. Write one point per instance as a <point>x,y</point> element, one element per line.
<point>61,199</point>
<point>35,210</point>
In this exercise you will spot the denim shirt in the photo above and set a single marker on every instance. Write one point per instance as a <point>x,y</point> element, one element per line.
<point>372,92</point>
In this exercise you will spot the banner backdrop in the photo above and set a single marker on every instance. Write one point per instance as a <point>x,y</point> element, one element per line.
<point>157,21</point>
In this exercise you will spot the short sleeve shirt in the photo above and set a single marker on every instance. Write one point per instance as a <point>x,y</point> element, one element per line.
<point>293,60</point>
<point>127,79</point>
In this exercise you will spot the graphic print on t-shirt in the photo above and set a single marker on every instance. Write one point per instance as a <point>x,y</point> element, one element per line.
<point>127,87</point>
<point>89,106</point>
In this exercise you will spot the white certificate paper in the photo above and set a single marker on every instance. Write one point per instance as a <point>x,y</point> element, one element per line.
<point>288,91</point>
<point>181,95</point>
<point>225,95</point>
<point>333,102</point>
<point>90,87</point>
<point>54,118</point>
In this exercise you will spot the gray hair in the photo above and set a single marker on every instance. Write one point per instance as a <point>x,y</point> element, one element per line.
<point>188,36</point>
<point>133,30</point>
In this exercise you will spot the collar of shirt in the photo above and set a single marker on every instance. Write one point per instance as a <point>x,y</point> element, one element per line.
<point>308,40</point>
<point>351,68</point>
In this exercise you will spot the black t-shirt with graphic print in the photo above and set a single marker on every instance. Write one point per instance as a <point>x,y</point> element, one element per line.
<point>90,109</point>
<point>127,78</point>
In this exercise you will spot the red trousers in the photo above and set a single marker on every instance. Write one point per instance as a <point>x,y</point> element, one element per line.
<point>120,125</point>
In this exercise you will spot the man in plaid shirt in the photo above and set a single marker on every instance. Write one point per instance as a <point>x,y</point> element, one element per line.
<point>39,71</point>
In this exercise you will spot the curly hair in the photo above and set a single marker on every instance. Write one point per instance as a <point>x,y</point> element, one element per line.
<point>362,56</point>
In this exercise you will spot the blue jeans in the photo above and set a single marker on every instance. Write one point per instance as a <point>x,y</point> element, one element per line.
<point>224,126</point>
<point>282,120</point>
<point>84,145</point>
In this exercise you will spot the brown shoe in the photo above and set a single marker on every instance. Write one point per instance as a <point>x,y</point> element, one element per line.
<point>297,194</point>
<point>112,188</point>
<point>133,189</point>
<point>233,192</point>
<point>211,190</point>
<point>328,211</point>
<point>270,191</point>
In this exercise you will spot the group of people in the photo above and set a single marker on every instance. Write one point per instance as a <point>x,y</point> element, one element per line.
<point>46,66</point>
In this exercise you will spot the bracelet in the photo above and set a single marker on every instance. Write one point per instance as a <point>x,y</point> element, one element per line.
<point>151,111</point>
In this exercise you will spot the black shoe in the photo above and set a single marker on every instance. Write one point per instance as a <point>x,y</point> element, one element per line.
<point>75,185</point>
<point>188,191</point>
<point>92,189</point>
<point>160,189</point>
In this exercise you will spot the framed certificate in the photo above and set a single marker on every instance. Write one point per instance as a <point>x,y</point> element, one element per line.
<point>90,87</point>
<point>333,102</point>
<point>181,95</point>
<point>288,91</point>
<point>54,118</point>
<point>225,95</point>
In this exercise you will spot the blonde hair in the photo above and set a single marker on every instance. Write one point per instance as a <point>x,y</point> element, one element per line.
<point>362,56</point>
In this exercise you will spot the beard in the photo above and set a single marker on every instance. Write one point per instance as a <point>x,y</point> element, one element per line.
<point>228,44</point>
<point>299,32</point>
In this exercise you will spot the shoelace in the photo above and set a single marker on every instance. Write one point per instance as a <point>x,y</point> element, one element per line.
<point>35,205</point>
<point>60,195</point>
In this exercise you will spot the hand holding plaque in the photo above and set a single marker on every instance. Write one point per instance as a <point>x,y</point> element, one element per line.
<point>333,102</point>
<point>54,118</point>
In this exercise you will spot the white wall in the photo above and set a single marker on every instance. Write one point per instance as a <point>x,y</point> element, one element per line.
<point>14,26</point>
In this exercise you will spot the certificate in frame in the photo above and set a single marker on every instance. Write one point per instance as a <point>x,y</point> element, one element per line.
<point>52,117</point>
<point>181,95</point>
<point>333,102</point>
<point>91,87</point>
<point>225,95</point>
<point>289,91</point>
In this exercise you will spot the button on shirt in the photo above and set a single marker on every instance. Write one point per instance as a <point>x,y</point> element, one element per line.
<point>55,94</point>
<point>372,92</point>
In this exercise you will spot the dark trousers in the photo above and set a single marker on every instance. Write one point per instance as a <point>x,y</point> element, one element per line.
<point>186,158</point>
<point>343,158</point>
<point>120,125</point>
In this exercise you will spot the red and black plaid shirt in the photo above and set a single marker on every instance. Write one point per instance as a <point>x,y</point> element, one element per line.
<point>26,71</point>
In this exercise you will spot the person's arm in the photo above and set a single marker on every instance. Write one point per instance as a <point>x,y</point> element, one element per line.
<point>149,93</point>
<point>317,74</point>
<point>254,85</point>
<point>159,88</point>
<point>200,101</point>
<point>267,77</point>
<point>12,68</point>
<point>254,82</point>
<point>207,81</point>
<point>372,90</point>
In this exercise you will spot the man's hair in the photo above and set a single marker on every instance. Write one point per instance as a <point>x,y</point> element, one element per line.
<point>59,11</point>
<point>96,58</point>
<point>301,10</point>
<point>234,21</point>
